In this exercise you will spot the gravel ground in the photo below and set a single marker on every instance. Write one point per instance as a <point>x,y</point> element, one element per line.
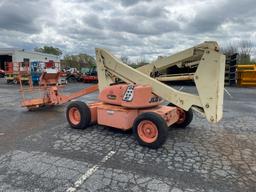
<point>40,152</point>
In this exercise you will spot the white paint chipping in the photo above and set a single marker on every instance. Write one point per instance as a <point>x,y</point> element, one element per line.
<point>92,170</point>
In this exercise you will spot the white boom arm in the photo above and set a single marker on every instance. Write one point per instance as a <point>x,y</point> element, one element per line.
<point>209,79</point>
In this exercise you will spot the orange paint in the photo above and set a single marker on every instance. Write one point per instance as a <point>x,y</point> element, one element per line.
<point>74,115</point>
<point>123,118</point>
<point>147,131</point>
<point>140,96</point>
<point>116,116</point>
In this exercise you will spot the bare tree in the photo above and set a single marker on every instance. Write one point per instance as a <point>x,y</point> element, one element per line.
<point>245,51</point>
<point>229,49</point>
<point>245,47</point>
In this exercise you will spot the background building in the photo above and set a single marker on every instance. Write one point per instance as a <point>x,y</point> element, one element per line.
<point>19,55</point>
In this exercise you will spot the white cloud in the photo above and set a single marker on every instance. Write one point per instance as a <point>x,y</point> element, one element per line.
<point>133,28</point>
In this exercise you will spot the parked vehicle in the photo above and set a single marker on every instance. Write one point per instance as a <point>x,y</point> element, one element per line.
<point>90,76</point>
<point>2,73</point>
<point>72,75</point>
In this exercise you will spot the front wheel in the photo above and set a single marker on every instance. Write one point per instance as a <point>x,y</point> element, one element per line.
<point>78,115</point>
<point>150,130</point>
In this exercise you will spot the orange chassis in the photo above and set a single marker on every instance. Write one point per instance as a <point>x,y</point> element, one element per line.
<point>125,107</point>
<point>123,118</point>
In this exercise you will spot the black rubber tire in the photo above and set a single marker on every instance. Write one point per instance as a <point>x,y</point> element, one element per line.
<point>35,83</point>
<point>25,82</point>
<point>85,114</point>
<point>15,81</point>
<point>160,124</point>
<point>71,79</point>
<point>188,118</point>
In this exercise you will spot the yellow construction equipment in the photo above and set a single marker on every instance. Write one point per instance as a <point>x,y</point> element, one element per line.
<point>246,75</point>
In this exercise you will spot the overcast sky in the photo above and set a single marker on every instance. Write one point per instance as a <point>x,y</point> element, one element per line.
<point>133,28</point>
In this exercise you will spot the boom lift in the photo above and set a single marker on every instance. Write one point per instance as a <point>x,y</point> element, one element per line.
<point>131,99</point>
<point>186,61</point>
<point>49,91</point>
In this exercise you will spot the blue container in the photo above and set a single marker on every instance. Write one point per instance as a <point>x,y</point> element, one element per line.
<point>36,71</point>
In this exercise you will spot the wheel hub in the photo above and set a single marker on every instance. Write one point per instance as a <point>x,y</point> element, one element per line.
<point>147,131</point>
<point>74,116</point>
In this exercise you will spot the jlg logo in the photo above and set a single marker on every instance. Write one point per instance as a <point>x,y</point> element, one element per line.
<point>155,99</point>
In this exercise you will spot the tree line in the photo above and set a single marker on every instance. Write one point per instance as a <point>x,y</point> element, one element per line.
<point>84,60</point>
<point>78,61</point>
<point>244,48</point>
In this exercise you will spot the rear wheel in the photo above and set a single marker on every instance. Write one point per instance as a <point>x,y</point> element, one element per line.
<point>78,115</point>
<point>185,117</point>
<point>150,130</point>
